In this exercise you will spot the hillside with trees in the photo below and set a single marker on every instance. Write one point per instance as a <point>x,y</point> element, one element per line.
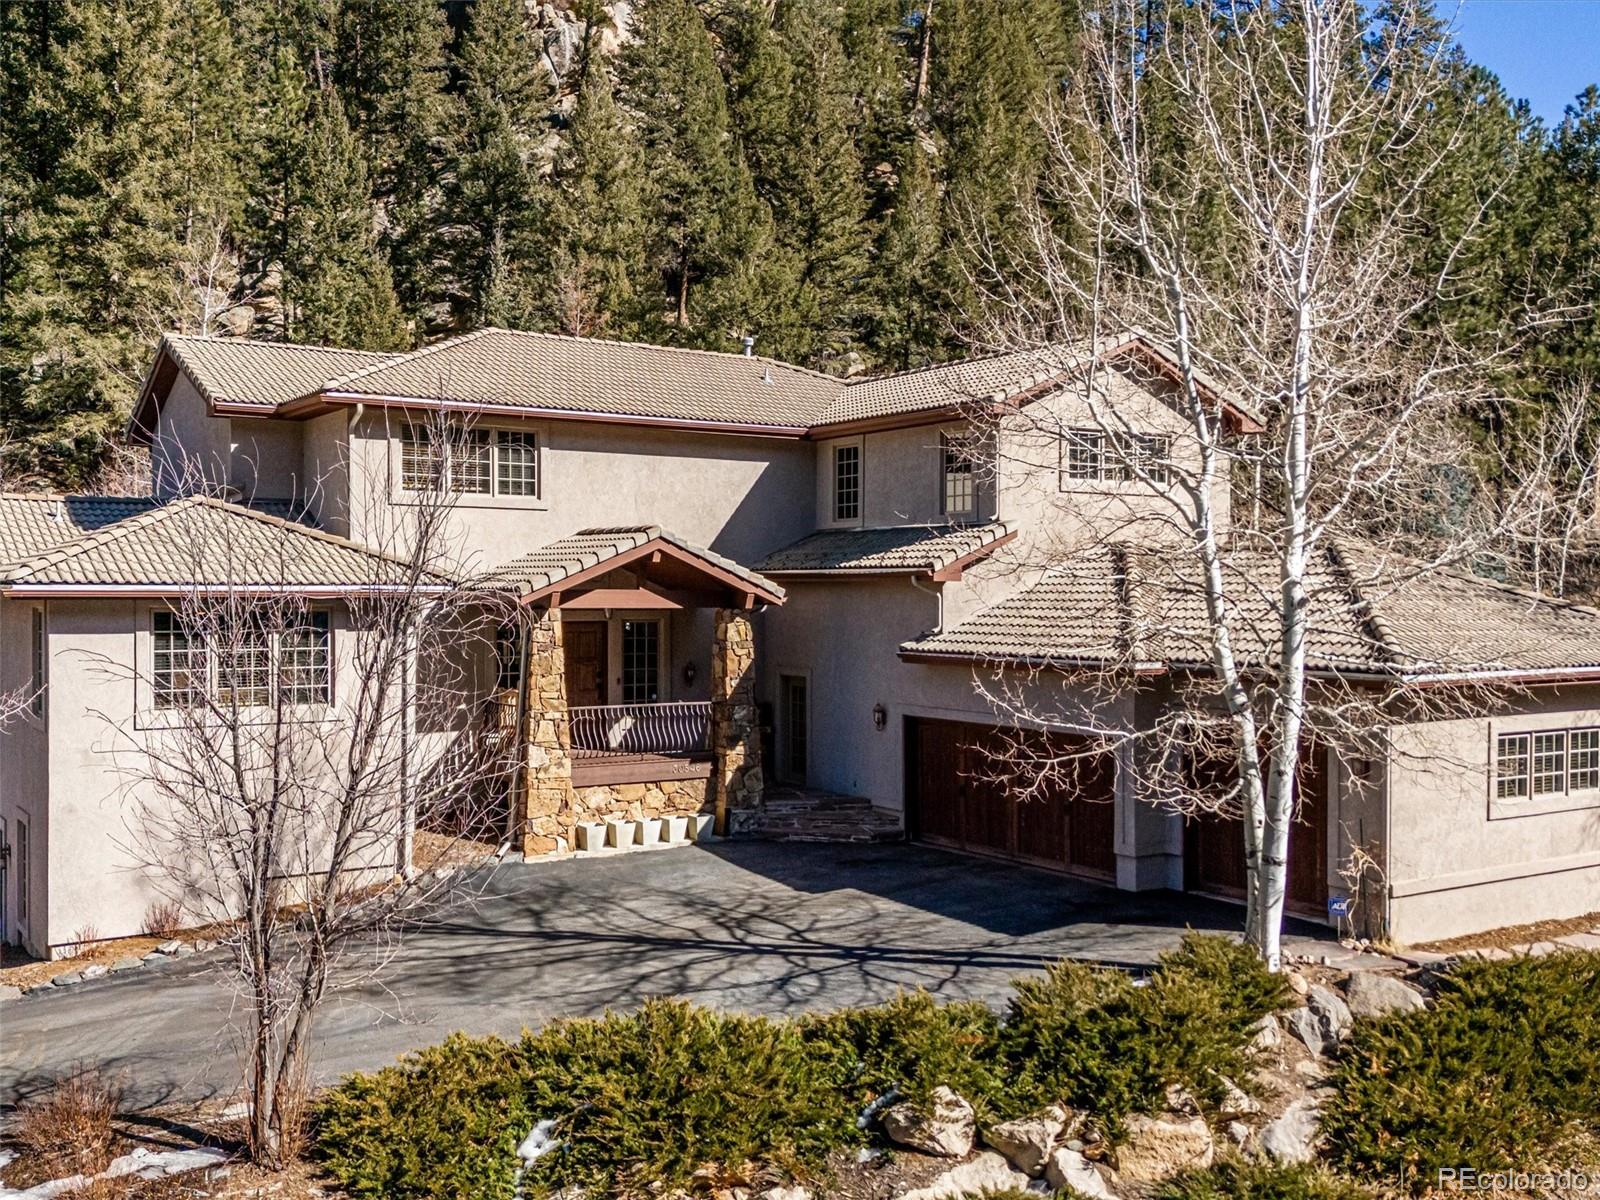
<point>840,179</point>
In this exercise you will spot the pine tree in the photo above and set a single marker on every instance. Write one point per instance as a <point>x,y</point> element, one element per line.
<point>494,198</point>
<point>707,230</point>
<point>594,228</point>
<point>906,331</point>
<point>337,288</point>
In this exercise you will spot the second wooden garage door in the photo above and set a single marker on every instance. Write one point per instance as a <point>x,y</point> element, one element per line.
<point>954,800</point>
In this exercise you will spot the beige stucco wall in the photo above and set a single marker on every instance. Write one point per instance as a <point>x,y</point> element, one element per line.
<point>739,496</point>
<point>96,852</point>
<point>902,477</point>
<point>325,470</point>
<point>188,444</point>
<point>1460,861</point>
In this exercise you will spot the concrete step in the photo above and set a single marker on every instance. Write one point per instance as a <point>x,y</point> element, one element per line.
<point>793,815</point>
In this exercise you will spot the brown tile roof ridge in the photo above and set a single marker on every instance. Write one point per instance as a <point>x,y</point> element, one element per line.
<point>118,530</point>
<point>343,382</point>
<point>174,343</point>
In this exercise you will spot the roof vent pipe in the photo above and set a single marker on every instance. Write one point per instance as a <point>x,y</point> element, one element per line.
<point>748,341</point>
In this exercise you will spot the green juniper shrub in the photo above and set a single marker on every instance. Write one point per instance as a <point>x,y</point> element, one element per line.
<point>1499,1072</point>
<point>1094,1038</point>
<point>1236,1179</point>
<point>914,1044</point>
<point>444,1122</point>
<point>652,1096</point>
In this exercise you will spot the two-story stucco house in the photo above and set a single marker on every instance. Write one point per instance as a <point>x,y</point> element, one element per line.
<point>741,575</point>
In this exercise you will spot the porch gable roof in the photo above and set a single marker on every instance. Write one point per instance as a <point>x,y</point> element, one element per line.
<point>581,559</point>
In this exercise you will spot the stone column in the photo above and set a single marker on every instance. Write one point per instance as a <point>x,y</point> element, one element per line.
<point>547,786</point>
<point>735,727</point>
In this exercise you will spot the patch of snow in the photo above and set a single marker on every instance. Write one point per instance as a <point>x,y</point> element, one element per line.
<point>538,1143</point>
<point>7,1157</point>
<point>157,1164</point>
<point>47,1190</point>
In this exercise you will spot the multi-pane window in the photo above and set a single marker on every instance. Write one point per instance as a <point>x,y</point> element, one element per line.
<point>305,661</point>
<point>1549,763</point>
<point>178,663</point>
<point>507,658</point>
<point>641,662</point>
<point>847,483</point>
<point>516,464</point>
<point>469,457</point>
<point>477,462</point>
<point>1583,760</point>
<point>36,646</point>
<point>244,669</point>
<point>959,496</point>
<point>241,672</point>
<point>24,871</point>
<point>1511,766</point>
<point>1090,455</point>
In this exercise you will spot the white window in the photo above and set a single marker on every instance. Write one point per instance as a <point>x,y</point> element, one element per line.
<point>847,483</point>
<point>477,462</point>
<point>1550,763</point>
<point>1091,456</point>
<point>959,496</point>
<point>1511,766</point>
<point>1583,760</point>
<point>178,662</point>
<point>299,659</point>
<point>641,662</point>
<point>36,661</point>
<point>22,871</point>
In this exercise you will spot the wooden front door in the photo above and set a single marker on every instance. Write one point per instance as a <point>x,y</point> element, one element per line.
<point>1213,845</point>
<point>958,795</point>
<point>584,643</point>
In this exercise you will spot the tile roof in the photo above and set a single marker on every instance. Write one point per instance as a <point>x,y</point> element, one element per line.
<point>917,548</point>
<point>592,375</point>
<point>565,557</point>
<point>204,542</point>
<point>32,522</point>
<point>1139,608</point>
<point>241,371</point>
<point>948,384</point>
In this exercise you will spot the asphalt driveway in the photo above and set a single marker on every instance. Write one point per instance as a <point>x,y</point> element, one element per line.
<point>759,927</point>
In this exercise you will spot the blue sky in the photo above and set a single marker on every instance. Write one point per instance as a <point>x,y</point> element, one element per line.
<point>1545,51</point>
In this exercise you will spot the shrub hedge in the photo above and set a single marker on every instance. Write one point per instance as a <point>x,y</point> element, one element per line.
<point>640,1102</point>
<point>1496,1074</point>
<point>1234,1179</point>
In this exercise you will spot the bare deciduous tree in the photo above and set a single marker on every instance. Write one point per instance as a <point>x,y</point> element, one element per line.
<point>1272,261</point>
<point>295,747</point>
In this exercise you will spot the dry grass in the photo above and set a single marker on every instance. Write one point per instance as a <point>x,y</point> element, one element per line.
<point>19,969</point>
<point>1514,937</point>
<point>71,1129</point>
<point>432,850</point>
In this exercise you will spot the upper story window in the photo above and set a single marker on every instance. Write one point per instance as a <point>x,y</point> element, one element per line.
<point>847,483</point>
<point>1093,456</point>
<point>958,496</point>
<point>1551,762</point>
<point>298,662</point>
<point>36,662</point>
<point>477,462</point>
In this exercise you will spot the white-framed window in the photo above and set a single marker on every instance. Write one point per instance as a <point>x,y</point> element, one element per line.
<point>1511,766</point>
<point>298,661</point>
<point>1583,760</point>
<point>476,462</point>
<point>847,483</point>
<point>1549,774</point>
<point>958,491</point>
<point>1091,456</point>
<point>24,870</point>
<point>36,661</point>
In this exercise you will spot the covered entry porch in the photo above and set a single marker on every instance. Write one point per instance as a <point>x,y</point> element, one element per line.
<point>628,682</point>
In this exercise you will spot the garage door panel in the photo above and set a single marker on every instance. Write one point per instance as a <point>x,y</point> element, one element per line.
<point>956,768</point>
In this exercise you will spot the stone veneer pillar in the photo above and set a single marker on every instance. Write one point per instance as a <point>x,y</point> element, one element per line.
<point>547,781</point>
<point>735,726</point>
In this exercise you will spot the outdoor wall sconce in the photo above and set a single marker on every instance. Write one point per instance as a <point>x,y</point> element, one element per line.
<point>690,674</point>
<point>880,716</point>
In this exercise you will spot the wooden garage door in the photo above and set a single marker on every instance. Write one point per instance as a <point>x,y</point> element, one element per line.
<point>953,798</point>
<point>1213,846</point>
